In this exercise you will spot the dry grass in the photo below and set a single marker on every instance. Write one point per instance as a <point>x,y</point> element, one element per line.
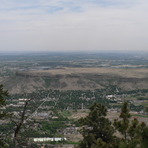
<point>110,114</point>
<point>128,73</point>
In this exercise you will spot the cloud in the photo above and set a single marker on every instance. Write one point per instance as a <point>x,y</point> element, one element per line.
<point>73,25</point>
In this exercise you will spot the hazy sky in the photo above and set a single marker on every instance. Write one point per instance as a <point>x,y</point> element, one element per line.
<point>73,25</point>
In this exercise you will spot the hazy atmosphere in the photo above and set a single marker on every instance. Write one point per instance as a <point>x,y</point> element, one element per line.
<point>73,73</point>
<point>73,25</point>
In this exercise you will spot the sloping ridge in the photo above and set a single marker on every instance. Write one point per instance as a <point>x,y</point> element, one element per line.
<point>28,82</point>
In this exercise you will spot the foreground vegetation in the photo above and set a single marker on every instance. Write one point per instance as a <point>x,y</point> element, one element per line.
<point>97,130</point>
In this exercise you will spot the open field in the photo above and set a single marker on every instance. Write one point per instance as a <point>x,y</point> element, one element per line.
<point>127,73</point>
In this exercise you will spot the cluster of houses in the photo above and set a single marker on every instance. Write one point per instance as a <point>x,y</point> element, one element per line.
<point>117,98</point>
<point>45,139</point>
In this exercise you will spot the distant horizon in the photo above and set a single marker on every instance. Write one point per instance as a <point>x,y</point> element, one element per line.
<point>72,52</point>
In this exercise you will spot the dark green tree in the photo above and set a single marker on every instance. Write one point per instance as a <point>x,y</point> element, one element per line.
<point>133,133</point>
<point>144,134</point>
<point>123,124</point>
<point>3,94</point>
<point>97,130</point>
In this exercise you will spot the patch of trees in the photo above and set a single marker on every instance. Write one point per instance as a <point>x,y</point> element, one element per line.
<point>99,132</point>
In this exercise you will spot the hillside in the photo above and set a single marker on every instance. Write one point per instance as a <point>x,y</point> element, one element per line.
<point>76,79</point>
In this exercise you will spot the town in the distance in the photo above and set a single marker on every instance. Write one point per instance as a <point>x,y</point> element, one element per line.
<point>49,94</point>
